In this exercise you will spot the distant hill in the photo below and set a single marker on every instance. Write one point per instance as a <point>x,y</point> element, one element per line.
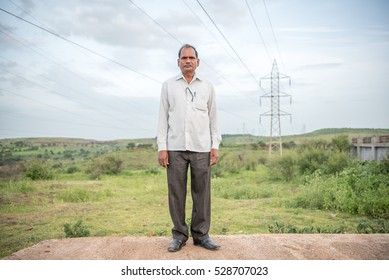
<point>228,139</point>
<point>325,133</point>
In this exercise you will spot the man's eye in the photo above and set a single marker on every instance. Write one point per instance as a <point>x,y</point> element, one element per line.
<point>188,57</point>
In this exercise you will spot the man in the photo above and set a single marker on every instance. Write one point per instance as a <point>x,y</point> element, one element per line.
<point>188,136</point>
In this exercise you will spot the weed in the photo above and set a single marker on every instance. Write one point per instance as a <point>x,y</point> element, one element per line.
<point>160,232</point>
<point>153,170</point>
<point>378,226</point>
<point>280,227</point>
<point>81,195</point>
<point>76,230</point>
<point>16,186</point>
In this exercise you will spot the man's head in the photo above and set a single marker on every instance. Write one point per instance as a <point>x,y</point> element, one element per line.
<point>187,46</point>
<point>188,59</point>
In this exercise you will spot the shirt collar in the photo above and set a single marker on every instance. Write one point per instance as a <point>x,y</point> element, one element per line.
<point>195,77</point>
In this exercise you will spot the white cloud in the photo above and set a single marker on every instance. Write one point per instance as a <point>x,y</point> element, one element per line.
<point>338,64</point>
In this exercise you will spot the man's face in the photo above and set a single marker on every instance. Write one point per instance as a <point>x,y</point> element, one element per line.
<point>188,61</point>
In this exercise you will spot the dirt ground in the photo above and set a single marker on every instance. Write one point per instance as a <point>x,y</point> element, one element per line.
<point>236,247</point>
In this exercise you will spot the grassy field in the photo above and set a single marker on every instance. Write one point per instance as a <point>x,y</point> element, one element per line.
<point>248,195</point>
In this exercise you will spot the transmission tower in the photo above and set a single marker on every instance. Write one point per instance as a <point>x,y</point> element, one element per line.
<point>275,113</point>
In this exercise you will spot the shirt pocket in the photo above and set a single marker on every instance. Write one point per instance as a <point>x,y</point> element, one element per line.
<point>201,103</point>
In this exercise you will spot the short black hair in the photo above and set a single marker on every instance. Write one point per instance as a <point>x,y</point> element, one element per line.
<point>185,46</point>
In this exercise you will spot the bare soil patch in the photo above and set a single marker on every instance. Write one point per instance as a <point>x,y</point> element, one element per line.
<point>236,247</point>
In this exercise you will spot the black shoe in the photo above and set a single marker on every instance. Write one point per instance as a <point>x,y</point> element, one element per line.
<point>207,244</point>
<point>176,245</point>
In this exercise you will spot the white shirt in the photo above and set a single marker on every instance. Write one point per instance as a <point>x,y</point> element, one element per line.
<point>187,116</point>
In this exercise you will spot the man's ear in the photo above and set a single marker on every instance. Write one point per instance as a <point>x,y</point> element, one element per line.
<point>198,62</point>
<point>178,62</point>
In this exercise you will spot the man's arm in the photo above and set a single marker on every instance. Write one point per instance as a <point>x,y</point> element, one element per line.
<point>163,119</point>
<point>214,124</point>
<point>162,128</point>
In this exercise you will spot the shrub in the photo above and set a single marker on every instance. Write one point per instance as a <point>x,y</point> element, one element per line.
<point>379,226</point>
<point>340,143</point>
<point>358,189</point>
<point>72,169</point>
<point>36,170</point>
<point>76,230</point>
<point>283,168</point>
<point>337,161</point>
<point>107,165</point>
<point>311,160</point>
<point>319,156</point>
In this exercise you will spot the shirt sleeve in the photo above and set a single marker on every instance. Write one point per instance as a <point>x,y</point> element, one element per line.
<point>163,119</point>
<point>216,137</point>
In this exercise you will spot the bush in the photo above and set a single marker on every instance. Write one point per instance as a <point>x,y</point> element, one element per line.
<point>336,162</point>
<point>234,163</point>
<point>358,189</point>
<point>340,143</point>
<point>311,160</point>
<point>379,226</point>
<point>107,165</point>
<point>72,169</point>
<point>36,170</point>
<point>330,158</point>
<point>283,168</point>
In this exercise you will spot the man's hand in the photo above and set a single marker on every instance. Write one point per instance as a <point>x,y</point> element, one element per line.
<point>214,156</point>
<point>163,158</point>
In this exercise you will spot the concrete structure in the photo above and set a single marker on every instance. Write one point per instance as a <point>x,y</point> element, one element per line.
<point>370,148</point>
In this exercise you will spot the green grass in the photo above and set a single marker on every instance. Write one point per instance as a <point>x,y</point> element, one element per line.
<point>136,205</point>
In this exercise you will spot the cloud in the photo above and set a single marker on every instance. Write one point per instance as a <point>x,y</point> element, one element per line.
<point>328,58</point>
<point>314,30</point>
<point>319,66</point>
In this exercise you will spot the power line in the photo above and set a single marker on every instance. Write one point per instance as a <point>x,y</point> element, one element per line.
<point>258,31</point>
<point>275,39</point>
<point>177,40</point>
<point>26,12</point>
<point>80,46</point>
<point>210,32</point>
<point>140,108</point>
<point>66,97</point>
<point>152,19</point>
<point>95,53</point>
<point>274,35</point>
<point>229,44</point>
<point>61,109</point>
<point>52,60</point>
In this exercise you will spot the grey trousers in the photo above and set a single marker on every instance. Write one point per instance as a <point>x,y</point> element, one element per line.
<point>177,174</point>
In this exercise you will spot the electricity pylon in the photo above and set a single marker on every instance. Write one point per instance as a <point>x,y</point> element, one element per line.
<point>275,142</point>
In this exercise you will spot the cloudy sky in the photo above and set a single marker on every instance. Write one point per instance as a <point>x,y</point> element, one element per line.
<point>93,69</point>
